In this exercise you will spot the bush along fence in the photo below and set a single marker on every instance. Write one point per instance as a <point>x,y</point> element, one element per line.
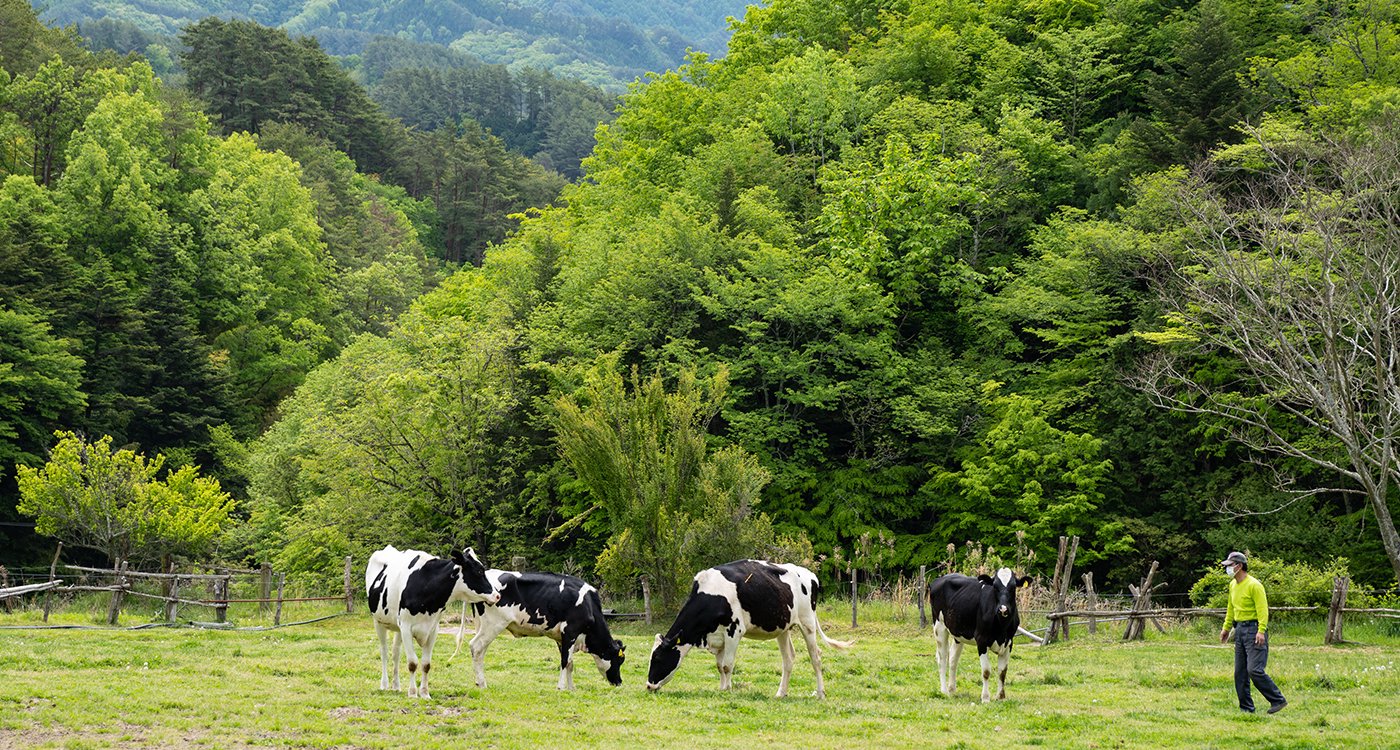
<point>1141,610</point>
<point>211,592</point>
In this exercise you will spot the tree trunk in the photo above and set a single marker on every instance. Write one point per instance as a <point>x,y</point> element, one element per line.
<point>1390,539</point>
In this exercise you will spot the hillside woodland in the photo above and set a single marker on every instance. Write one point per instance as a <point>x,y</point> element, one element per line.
<point>890,277</point>
<point>603,42</point>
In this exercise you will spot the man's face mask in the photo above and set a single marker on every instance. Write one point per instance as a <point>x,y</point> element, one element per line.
<point>1230,570</point>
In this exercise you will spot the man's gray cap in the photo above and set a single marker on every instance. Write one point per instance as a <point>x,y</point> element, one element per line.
<point>1235,557</point>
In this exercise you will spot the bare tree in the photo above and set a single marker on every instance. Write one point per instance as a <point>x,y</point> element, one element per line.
<point>1291,269</point>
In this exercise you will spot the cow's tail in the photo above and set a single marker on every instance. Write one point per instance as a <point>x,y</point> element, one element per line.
<point>461,630</point>
<point>843,645</point>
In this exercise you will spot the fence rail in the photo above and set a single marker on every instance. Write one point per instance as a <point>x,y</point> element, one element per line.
<point>15,591</point>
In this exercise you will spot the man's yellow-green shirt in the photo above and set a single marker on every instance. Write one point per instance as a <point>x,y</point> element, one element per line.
<point>1247,602</point>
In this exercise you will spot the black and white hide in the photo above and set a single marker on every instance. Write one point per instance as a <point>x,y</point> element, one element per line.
<point>744,599</point>
<point>408,591</point>
<point>979,611</point>
<point>562,608</point>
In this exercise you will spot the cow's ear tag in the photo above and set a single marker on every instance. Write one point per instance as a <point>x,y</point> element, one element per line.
<point>1025,583</point>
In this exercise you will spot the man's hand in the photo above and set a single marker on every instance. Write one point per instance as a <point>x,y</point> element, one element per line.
<point>1258,639</point>
<point>1224,634</point>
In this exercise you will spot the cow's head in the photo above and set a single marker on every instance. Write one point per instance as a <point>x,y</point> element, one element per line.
<point>1004,585</point>
<point>610,663</point>
<point>474,586</point>
<point>666,657</point>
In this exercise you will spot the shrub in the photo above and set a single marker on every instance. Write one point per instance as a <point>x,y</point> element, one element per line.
<point>1288,584</point>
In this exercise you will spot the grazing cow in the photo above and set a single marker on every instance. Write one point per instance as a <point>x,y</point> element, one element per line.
<point>744,599</point>
<point>408,591</point>
<point>979,610</point>
<point>562,608</point>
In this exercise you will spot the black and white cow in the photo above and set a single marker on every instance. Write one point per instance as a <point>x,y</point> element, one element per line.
<point>979,610</point>
<point>562,608</point>
<point>408,591</point>
<point>744,599</point>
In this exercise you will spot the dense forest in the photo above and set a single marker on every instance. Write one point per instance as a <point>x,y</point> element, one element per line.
<point>606,43</point>
<point>173,262</point>
<point>535,113</point>
<point>889,278</point>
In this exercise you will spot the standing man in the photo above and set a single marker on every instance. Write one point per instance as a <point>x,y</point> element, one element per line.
<point>1248,611</point>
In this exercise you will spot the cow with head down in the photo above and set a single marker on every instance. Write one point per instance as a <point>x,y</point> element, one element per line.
<point>744,599</point>
<point>559,607</point>
<point>980,611</point>
<point>408,591</point>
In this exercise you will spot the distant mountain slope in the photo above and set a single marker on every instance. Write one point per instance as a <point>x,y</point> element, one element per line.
<point>605,42</point>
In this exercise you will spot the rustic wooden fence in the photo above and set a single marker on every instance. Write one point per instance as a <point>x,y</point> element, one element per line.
<point>1066,606</point>
<point>208,591</point>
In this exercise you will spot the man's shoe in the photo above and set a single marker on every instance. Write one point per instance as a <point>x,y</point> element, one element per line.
<point>1277,707</point>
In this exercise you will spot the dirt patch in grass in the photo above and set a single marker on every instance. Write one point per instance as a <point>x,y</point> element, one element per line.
<point>347,712</point>
<point>122,736</point>
<point>13,739</point>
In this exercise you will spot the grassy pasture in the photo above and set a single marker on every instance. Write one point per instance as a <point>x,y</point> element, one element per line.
<point>316,686</point>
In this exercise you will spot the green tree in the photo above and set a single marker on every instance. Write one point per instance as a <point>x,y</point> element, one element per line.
<point>1077,76</point>
<point>1026,475</point>
<point>252,75</point>
<point>39,386</point>
<point>26,43</point>
<point>380,260</point>
<point>264,293</point>
<point>672,504</point>
<point>37,268</point>
<point>88,495</point>
<point>1198,96</point>
<point>406,437</point>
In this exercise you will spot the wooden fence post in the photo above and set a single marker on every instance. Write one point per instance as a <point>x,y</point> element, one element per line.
<point>1334,612</point>
<point>646,599</point>
<point>281,581</point>
<point>1059,628</point>
<point>1141,603</point>
<point>1059,588</point>
<point>852,570</point>
<point>919,595</point>
<point>173,603</point>
<point>53,569</point>
<point>1059,566</point>
<point>265,587</point>
<point>1093,601</point>
<point>115,607</point>
<point>221,595</point>
<point>349,587</point>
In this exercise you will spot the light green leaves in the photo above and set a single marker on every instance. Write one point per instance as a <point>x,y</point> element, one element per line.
<point>112,501</point>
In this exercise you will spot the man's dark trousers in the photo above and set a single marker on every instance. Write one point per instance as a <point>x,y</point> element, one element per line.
<point>1250,661</point>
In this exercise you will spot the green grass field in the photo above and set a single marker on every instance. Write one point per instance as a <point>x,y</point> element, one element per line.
<point>317,686</point>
